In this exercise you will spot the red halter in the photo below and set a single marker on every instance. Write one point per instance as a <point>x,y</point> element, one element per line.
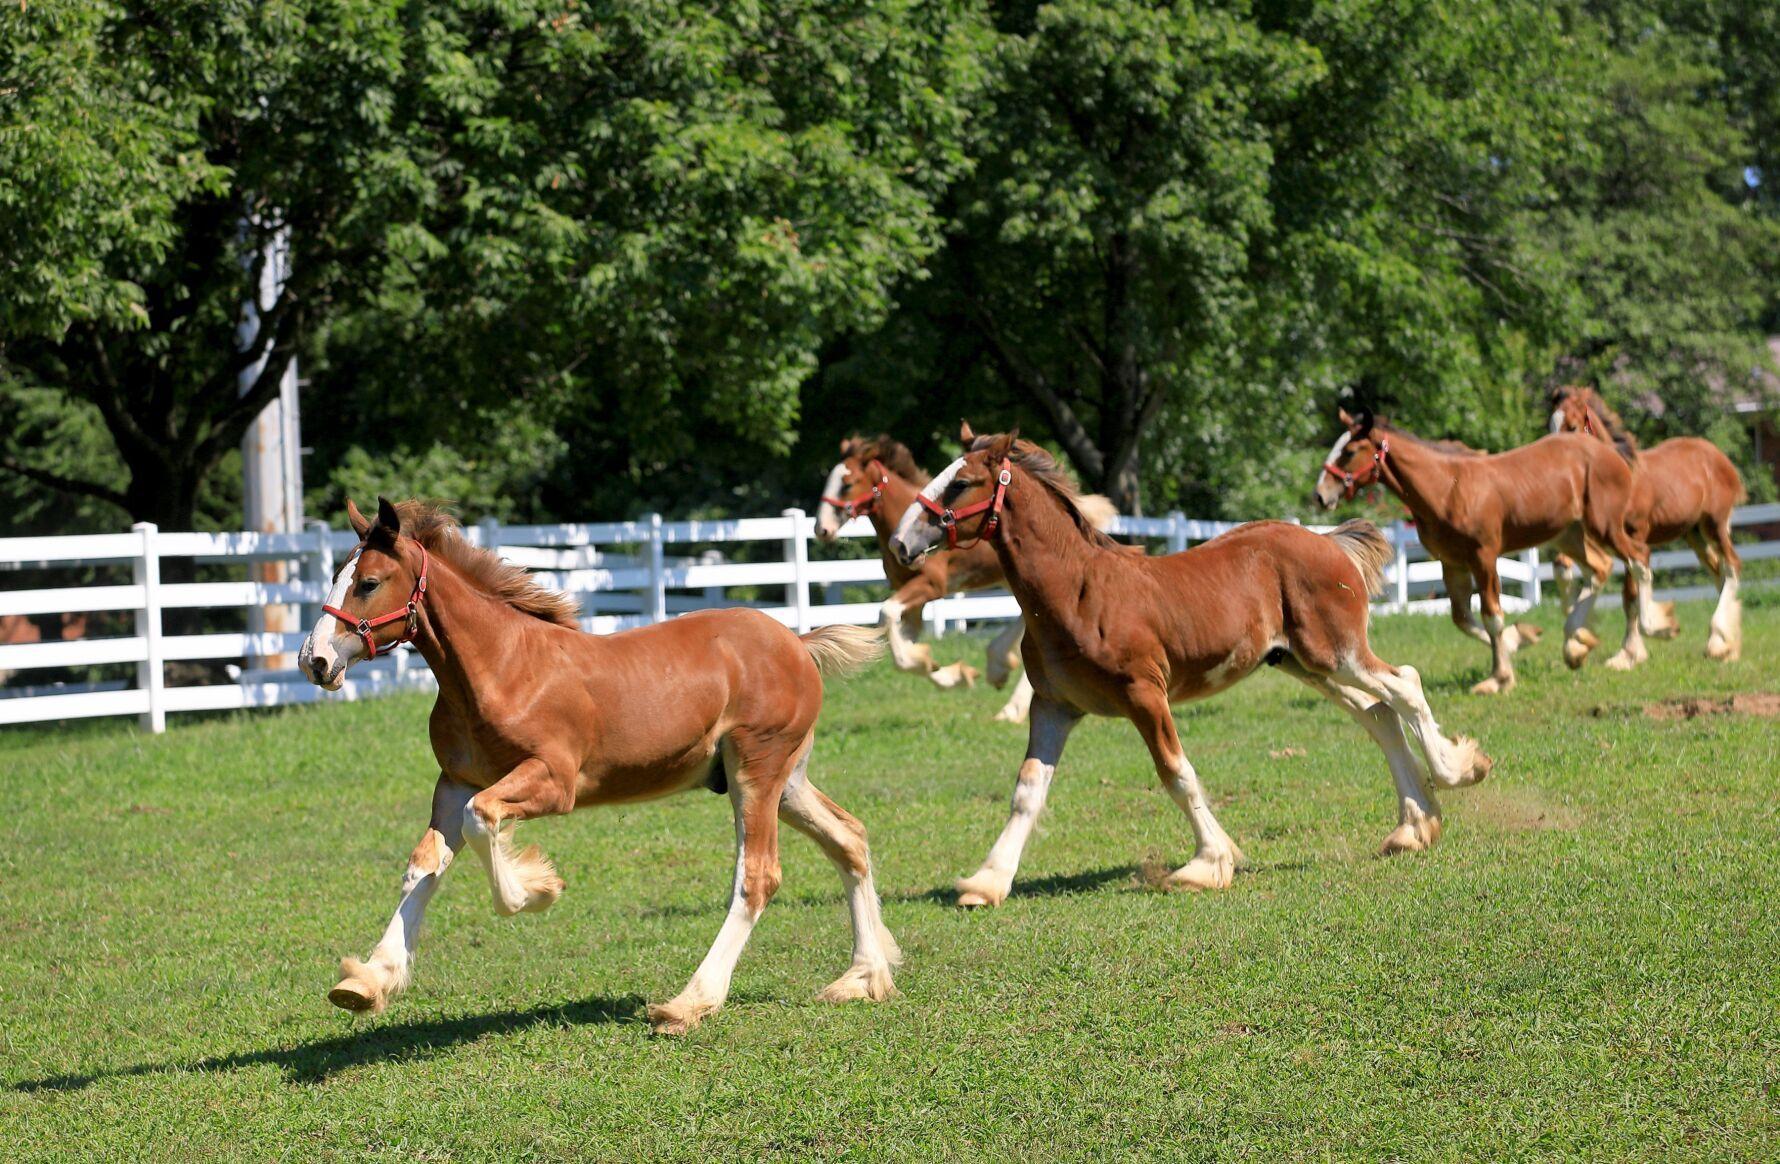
<point>950,518</point>
<point>852,509</point>
<point>1352,482</point>
<point>362,627</point>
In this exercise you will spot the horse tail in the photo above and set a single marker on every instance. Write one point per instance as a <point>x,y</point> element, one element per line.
<point>1367,548</point>
<point>842,650</point>
<point>1098,511</point>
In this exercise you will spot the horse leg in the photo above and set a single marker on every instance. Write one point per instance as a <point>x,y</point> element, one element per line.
<point>1418,814</point>
<point>1047,732</point>
<point>1215,855</point>
<point>369,985</point>
<point>755,791</point>
<point>1566,576</point>
<point>1451,762</point>
<point>525,881</point>
<point>842,838</point>
<point>1504,639</point>
<point>1632,651</point>
<point>1726,640</point>
<point>1004,653</point>
<point>1579,638</point>
<point>1017,705</point>
<point>901,619</point>
<point>1458,592</point>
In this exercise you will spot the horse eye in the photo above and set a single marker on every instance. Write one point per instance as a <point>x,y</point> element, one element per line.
<point>367,585</point>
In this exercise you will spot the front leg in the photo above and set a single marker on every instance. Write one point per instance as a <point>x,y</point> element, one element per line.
<point>901,619</point>
<point>369,985</point>
<point>526,880</point>
<point>1048,732</point>
<point>1215,855</point>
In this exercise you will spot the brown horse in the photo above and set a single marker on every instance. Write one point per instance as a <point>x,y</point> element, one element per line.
<point>1114,633</point>
<point>1470,508</point>
<point>1684,488</point>
<point>535,718</point>
<point>878,478</point>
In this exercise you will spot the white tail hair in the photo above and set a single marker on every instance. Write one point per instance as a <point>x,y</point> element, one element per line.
<point>842,650</point>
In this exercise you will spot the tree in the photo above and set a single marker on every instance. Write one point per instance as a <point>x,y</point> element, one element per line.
<point>657,212</point>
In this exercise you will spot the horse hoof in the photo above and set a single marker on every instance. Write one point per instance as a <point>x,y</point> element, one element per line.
<point>1621,661</point>
<point>1720,651</point>
<point>357,996</point>
<point>1411,837</point>
<point>1492,686</point>
<point>1576,651</point>
<point>981,890</point>
<point>1528,633</point>
<point>1203,873</point>
<point>1008,715</point>
<point>859,984</point>
<point>676,1018</point>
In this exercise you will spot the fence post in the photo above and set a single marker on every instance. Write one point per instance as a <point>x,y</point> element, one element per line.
<point>490,530</point>
<point>321,568</point>
<point>1177,532</point>
<point>1532,590</point>
<point>151,675</point>
<point>1400,538</point>
<point>797,552</point>
<point>656,602</point>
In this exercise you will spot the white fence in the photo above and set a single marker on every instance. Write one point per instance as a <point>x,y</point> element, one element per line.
<point>624,573</point>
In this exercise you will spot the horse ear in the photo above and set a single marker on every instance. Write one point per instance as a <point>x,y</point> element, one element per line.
<point>1360,423</point>
<point>1001,446</point>
<point>966,435</point>
<point>1346,418</point>
<point>360,523</point>
<point>387,517</point>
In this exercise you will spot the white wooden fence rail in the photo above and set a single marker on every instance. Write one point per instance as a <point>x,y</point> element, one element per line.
<point>625,574</point>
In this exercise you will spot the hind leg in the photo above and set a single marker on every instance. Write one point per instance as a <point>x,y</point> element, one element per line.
<point>1451,762</point>
<point>1418,815</point>
<point>842,838</point>
<point>1504,639</point>
<point>1215,855</point>
<point>1019,703</point>
<point>1579,637</point>
<point>1004,653</point>
<point>369,985</point>
<point>1047,732</point>
<point>756,785</point>
<point>1632,651</point>
<point>901,619</point>
<point>1567,577</point>
<point>523,881</point>
<point>1726,640</point>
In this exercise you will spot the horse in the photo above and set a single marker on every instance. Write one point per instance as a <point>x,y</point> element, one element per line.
<point>1118,634</point>
<point>536,717</point>
<point>1471,507</point>
<point>1684,488</point>
<point>878,478</point>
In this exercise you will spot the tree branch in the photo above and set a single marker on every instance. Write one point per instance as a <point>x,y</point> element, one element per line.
<point>63,484</point>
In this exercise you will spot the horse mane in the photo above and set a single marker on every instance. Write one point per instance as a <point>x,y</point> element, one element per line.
<point>1457,448</point>
<point>441,534</point>
<point>893,453</point>
<point>1610,421</point>
<point>1046,471</point>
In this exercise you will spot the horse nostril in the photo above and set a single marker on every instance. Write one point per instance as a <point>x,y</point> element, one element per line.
<point>318,669</point>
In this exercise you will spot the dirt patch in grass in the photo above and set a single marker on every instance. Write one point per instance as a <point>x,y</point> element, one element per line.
<point>1516,809</point>
<point>1760,703</point>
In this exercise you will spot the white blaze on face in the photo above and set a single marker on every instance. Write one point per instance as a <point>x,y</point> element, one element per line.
<point>1557,420</point>
<point>323,643</point>
<point>1328,486</point>
<point>828,518</point>
<point>914,534</point>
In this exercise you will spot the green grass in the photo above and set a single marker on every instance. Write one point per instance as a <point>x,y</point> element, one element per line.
<point>1585,966</point>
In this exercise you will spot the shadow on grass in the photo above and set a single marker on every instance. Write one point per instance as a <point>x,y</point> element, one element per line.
<point>1056,885</point>
<point>315,1062</point>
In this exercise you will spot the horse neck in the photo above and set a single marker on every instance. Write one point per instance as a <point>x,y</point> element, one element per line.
<point>459,624</point>
<point>1043,553</point>
<point>1420,475</point>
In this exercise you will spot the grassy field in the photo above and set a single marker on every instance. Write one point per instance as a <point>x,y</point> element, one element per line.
<point>1586,966</point>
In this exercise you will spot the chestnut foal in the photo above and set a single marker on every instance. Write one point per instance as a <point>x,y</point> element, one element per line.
<point>1109,632</point>
<point>877,478</point>
<point>1684,488</point>
<point>535,717</point>
<point>1470,508</point>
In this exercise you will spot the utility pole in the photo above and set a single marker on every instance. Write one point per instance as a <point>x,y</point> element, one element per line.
<point>271,452</point>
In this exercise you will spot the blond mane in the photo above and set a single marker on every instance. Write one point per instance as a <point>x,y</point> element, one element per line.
<point>441,534</point>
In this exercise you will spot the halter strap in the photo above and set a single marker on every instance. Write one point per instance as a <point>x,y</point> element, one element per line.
<point>1350,481</point>
<point>867,504</point>
<point>950,518</point>
<point>362,627</point>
